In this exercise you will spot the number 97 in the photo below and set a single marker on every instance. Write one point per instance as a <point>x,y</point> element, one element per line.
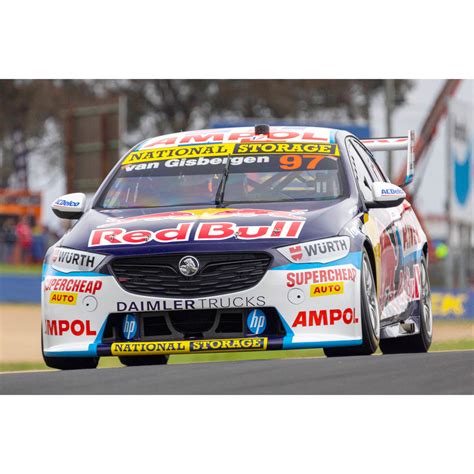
<point>291,162</point>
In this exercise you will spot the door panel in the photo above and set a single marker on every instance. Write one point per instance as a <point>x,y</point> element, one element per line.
<point>385,228</point>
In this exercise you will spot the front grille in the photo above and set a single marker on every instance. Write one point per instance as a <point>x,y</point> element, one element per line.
<point>196,324</point>
<point>218,274</point>
<point>192,324</point>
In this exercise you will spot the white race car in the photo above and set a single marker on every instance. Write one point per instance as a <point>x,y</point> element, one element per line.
<point>245,239</point>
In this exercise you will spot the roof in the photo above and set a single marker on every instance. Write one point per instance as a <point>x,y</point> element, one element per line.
<point>241,134</point>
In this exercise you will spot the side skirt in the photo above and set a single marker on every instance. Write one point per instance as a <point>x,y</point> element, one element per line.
<point>405,324</point>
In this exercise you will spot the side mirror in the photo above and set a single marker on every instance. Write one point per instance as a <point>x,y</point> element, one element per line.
<point>69,206</point>
<point>386,195</point>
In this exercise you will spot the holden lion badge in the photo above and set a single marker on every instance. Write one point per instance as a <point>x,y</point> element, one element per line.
<point>188,266</point>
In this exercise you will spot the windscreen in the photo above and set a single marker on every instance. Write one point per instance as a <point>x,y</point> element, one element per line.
<point>225,173</point>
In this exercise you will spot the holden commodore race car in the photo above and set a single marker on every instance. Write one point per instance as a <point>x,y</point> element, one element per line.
<point>239,239</point>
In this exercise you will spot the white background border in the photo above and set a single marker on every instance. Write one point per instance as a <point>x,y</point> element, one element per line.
<point>245,39</point>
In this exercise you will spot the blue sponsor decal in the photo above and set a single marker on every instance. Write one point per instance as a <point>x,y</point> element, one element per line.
<point>360,131</point>
<point>63,202</point>
<point>392,191</point>
<point>256,321</point>
<point>452,304</point>
<point>129,326</point>
<point>20,288</point>
<point>354,258</point>
<point>462,176</point>
<point>48,271</point>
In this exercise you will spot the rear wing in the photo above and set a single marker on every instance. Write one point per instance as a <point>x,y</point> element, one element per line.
<point>396,143</point>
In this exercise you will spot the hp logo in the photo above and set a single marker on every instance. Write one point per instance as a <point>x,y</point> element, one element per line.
<point>129,326</point>
<point>256,321</point>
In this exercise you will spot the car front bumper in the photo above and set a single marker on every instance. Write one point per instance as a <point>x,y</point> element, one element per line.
<point>317,305</point>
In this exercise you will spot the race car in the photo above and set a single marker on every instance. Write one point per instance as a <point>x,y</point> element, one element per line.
<point>240,239</point>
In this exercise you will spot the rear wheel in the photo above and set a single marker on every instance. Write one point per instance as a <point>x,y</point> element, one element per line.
<point>135,361</point>
<point>69,363</point>
<point>370,316</point>
<point>420,342</point>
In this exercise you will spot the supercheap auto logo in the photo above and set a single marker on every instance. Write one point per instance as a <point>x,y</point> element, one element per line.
<point>326,289</point>
<point>65,290</point>
<point>60,297</point>
<point>227,149</point>
<point>321,275</point>
<point>183,347</point>
<point>74,285</point>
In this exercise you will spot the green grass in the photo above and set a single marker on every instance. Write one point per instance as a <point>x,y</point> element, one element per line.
<point>20,269</point>
<point>21,366</point>
<point>460,345</point>
<point>449,322</point>
<point>110,362</point>
<point>225,357</point>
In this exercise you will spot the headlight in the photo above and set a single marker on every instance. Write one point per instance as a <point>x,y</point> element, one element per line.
<point>69,260</point>
<point>317,251</point>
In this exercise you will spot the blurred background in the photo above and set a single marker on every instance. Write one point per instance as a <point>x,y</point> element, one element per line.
<point>59,136</point>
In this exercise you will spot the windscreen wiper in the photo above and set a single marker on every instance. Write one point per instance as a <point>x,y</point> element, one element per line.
<point>221,187</point>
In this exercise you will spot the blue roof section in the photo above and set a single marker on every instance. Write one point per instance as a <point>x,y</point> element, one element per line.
<point>360,131</point>
<point>234,132</point>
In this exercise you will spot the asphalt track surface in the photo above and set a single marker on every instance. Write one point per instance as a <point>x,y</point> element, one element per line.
<point>435,373</point>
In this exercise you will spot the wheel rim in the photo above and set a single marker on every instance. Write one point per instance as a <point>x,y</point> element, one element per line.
<point>426,313</point>
<point>371,296</point>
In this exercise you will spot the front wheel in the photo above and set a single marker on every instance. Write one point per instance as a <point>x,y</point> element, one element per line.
<point>370,315</point>
<point>68,363</point>
<point>71,363</point>
<point>420,342</point>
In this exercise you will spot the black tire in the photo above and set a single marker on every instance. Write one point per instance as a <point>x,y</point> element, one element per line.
<point>69,363</point>
<point>135,361</point>
<point>370,334</point>
<point>420,342</point>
